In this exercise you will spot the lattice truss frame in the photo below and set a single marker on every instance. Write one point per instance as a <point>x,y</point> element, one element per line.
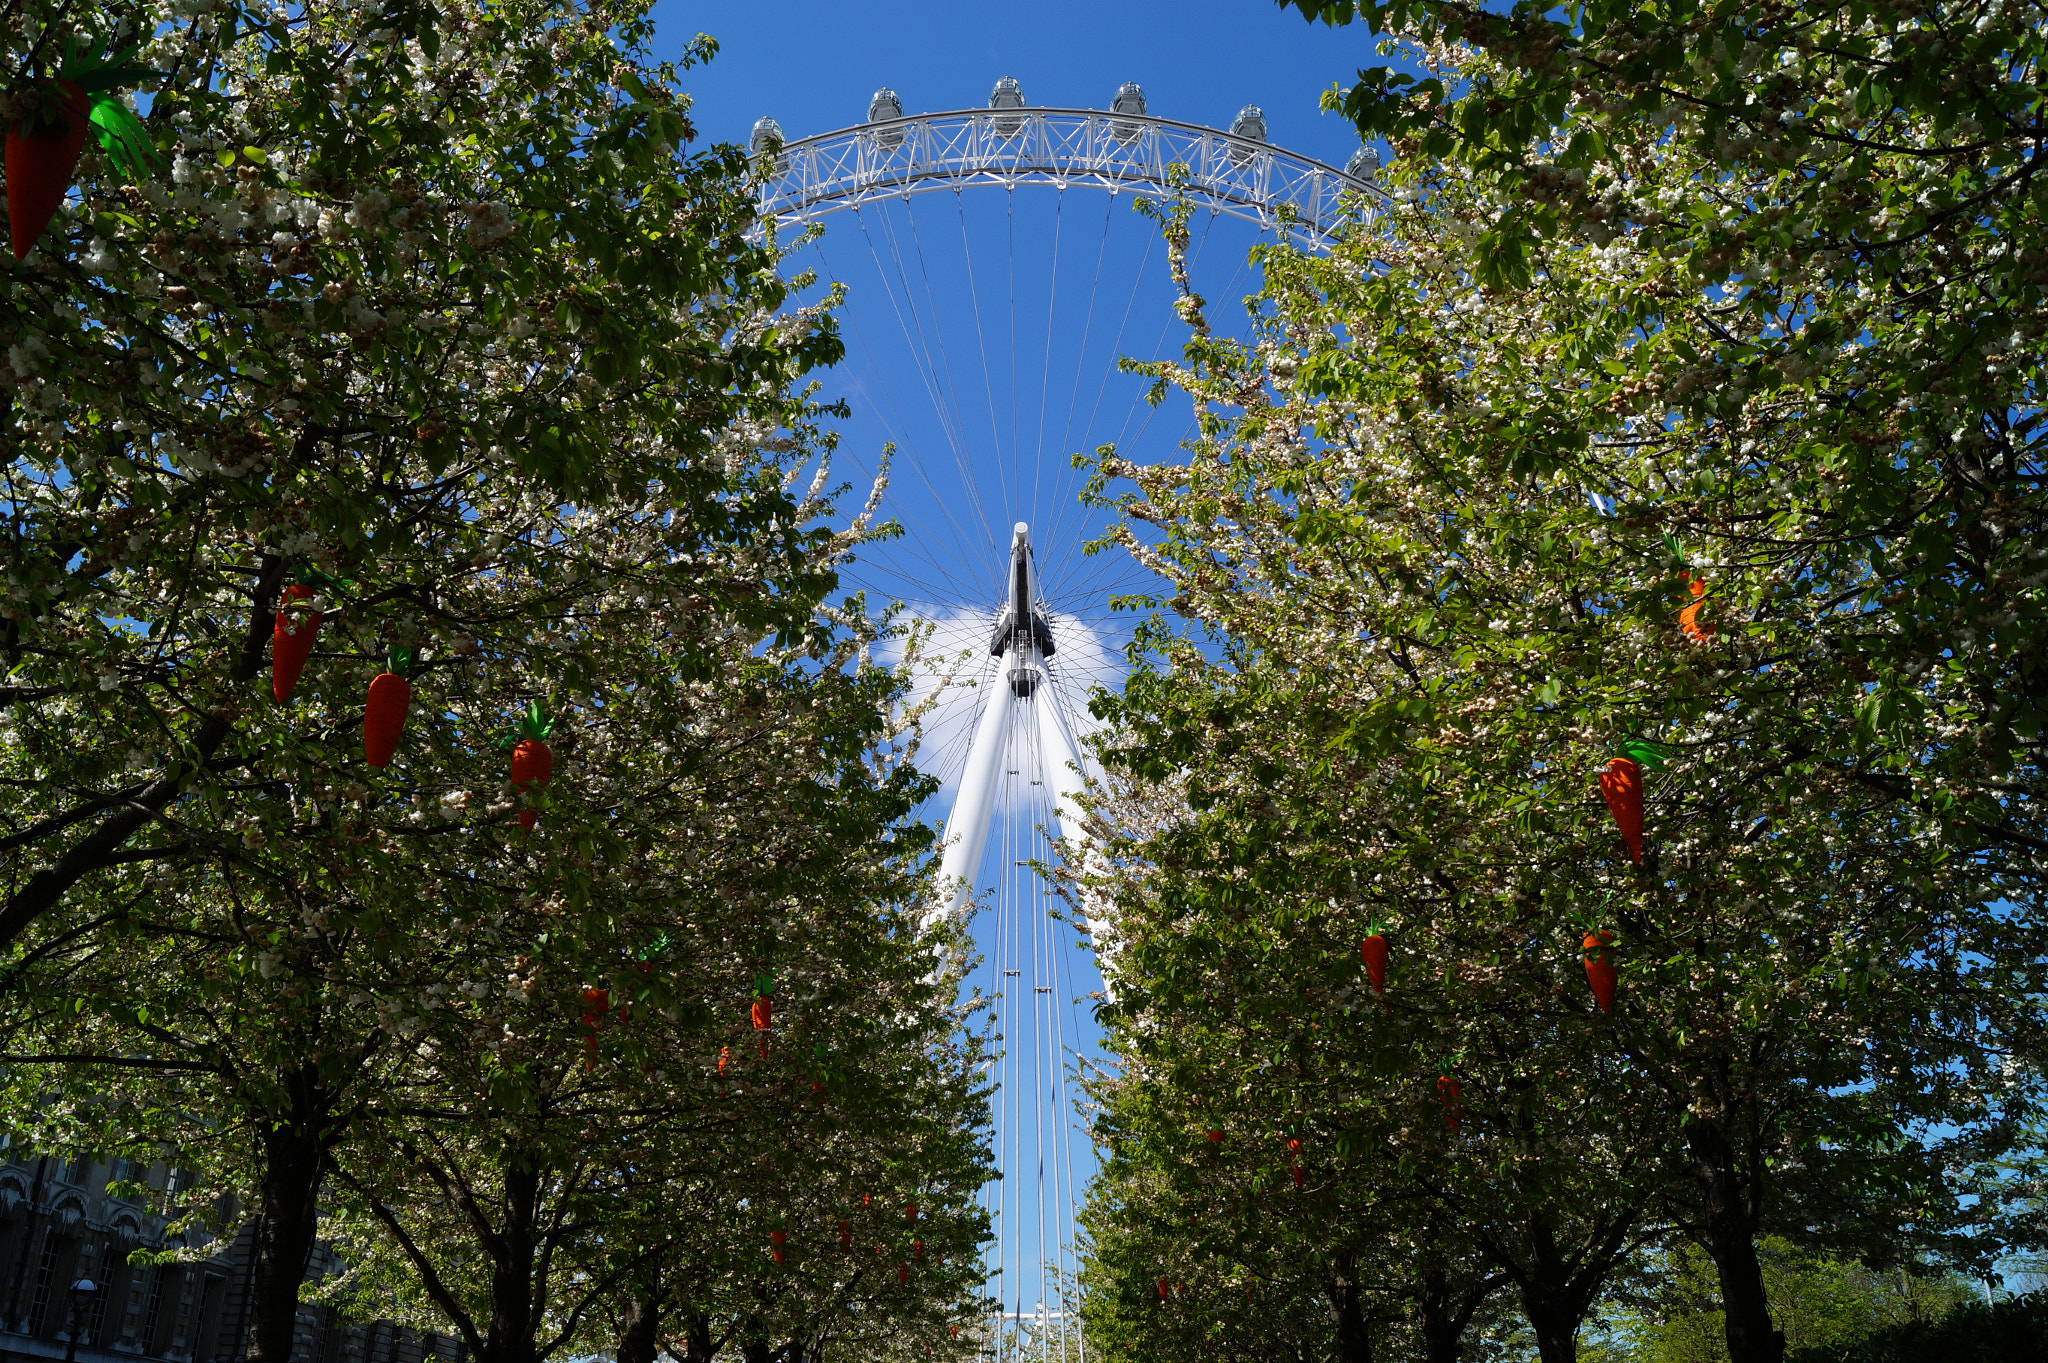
<point>1118,152</point>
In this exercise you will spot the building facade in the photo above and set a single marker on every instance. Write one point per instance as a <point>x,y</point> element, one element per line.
<point>59,1226</point>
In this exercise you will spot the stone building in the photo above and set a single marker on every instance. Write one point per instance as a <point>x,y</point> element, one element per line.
<point>60,1227</point>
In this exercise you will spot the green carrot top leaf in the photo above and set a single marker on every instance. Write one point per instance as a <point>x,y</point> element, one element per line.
<point>534,724</point>
<point>1649,756</point>
<point>764,985</point>
<point>399,660</point>
<point>91,69</point>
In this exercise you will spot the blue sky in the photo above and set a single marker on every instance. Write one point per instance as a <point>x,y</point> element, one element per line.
<point>813,65</point>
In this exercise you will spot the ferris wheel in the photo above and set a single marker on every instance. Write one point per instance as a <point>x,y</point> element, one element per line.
<point>983,348</point>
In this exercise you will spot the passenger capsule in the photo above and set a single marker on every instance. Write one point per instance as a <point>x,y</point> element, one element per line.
<point>1363,166</point>
<point>1130,99</point>
<point>1250,124</point>
<point>767,133</point>
<point>1008,94</point>
<point>886,108</point>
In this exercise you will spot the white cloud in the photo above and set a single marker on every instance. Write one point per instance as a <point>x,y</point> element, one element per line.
<point>953,665</point>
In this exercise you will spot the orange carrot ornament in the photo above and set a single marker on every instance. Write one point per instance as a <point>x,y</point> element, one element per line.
<point>533,762</point>
<point>763,1009</point>
<point>775,1242</point>
<point>597,1003</point>
<point>846,1237</point>
<point>1373,951</point>
<point>1294,1158</point>
<point>291,639</point>
<point>43,147</point>
<point>1622,785</point>
<point>1689,614</point>
<point>1447,1093</point>
<point>1601,972</point>
<point>384,710</point>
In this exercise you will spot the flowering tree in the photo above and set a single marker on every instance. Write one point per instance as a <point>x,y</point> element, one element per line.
<point>410,277</point>
<point>426,365</point>
<point>1826,224</point>
<point>1431,644</point>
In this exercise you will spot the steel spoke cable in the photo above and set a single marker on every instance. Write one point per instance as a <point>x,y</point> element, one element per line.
<point>898,428</point>
<point>980,340</point>
<point>920,349</point>
<point>952,390</point>
<point>1052,293</point>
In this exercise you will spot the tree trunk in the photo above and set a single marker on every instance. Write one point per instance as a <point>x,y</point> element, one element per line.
<point>1445,1313</point>
<point>294,1154</point>
<point>512,1309</point>
<point>1730,1223</point>
<point>697,1343</point>
<point>1557,1329</point>
<point>640,1330</point>
<point>1354,1340</point>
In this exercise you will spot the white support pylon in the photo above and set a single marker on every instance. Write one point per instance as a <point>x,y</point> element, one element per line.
<point>1022,642</point>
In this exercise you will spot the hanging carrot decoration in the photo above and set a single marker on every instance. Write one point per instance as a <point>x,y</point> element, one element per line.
<point>1447,1093</point>
<point>533,762</point>
<point>1601,972</point>
<point>846,1237</point>
<point>597,1003</point>
<point>1215,1136</point>
<point>1689,614</point>
<point>763,1010</point>
<point>1294,1155</point>
<point>384,710</point>
<point>1162,1291</point>
<point>291,639</point>
<point>43,147</point>
<point>1373,951</point>
<point>903,1273</point>
<point>724,1056</point>
<point>917,1249</point>
<point>1622,785</point>
<point>775,1240</point>
<point>910,1212</point>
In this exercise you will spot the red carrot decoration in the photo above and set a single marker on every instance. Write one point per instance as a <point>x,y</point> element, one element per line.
<point>1601,972</point>
<point>384,711</point>
<point>1162,1290</point>
<point>1689,614</point>
<point>910,1212</point>
<point>903,1273</point>
<point>1373,951</point>
<point>291,639</point>
<point>846,1237</point>
<point>775,1239</point>
<point>724,1054</point>
<point>533,762</point>
<point>42,150</point>
<point>596,1004</point>
<point>917,1249</point>
<point>1447,1093</point>
<point>1622,784</point>
<point>1294,1158</point>
<point>763,1009</point>
<point>1215,1136</point>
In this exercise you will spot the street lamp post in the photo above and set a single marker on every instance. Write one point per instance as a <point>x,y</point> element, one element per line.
<point>82,1293</point>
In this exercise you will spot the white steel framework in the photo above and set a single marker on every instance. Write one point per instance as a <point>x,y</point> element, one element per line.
<point>1117,152</point>
<point>1023,641</point>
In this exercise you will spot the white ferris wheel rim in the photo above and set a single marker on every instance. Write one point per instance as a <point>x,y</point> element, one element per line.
<point>896,158</point>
